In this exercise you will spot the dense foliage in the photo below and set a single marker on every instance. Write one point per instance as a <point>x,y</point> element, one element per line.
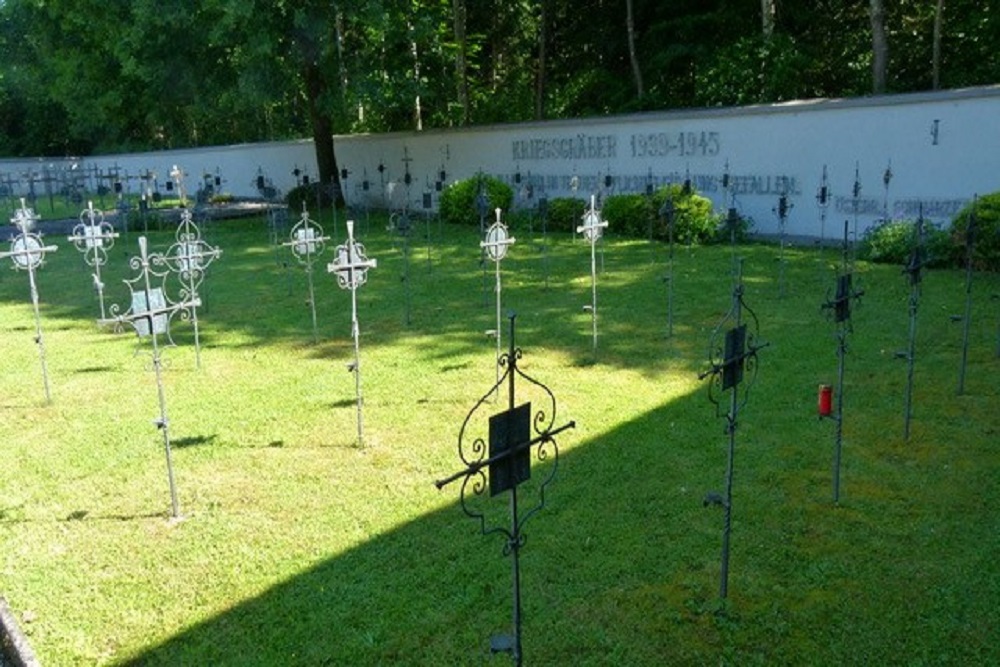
<point>464,201</point>
<point>85,77</point>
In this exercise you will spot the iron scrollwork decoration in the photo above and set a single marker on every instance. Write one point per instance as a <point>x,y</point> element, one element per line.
<point>351,267</point>
<point>733,349</point>
<point>189,258</point>
<point>500,461</point>
<point>307,243</point>
<point>27,252</point>
<point>150,314</point>
<point>94,237</point>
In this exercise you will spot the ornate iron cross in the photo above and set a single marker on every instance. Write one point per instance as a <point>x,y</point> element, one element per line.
<point>150,314</point>
<point>913,269</point>
<point>970,245</point>
<point>94,238</point>
<point>351,268</point>
<point>27,252</point>
<point>500,461</point>
<point>732,353</point>
<point>307,243</point>
<point>593,229</point>
<point>495,244</point>
<point>189,258</point>
<point>840,308</point>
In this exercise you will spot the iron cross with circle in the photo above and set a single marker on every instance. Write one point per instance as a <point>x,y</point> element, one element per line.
<point>497,240</point>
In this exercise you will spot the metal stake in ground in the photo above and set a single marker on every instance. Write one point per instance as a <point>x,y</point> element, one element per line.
<point>403,226</point>
<point>823,202</point>
<point>781,210</point>
<point>913,269</point>
<point>495,245</point>
<point>667,213</point>
<point>351,267</point>
<point>840,306</point>
<point>970,242</point>
<point>94,238</point>
<point>592,230</point>
<point>27,252</point>
<point>188,258</point>
<point>505,456</point>
<point>731,353</point>
<point>307,243</point>
<point>150,314</point>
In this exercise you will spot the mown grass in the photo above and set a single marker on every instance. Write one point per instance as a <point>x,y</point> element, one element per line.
<point>298,547</point>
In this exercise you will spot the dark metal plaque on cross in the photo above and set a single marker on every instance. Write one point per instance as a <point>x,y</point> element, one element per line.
<point>510,448</point>
<point>732,367</point>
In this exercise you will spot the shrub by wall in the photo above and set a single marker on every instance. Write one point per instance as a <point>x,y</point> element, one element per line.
<point>458,201</point>
<point>986,247</point>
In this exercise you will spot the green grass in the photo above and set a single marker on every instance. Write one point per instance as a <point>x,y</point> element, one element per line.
<point>298,547</point>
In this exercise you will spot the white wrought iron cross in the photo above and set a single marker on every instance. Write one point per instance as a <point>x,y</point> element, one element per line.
<point>593,228</point>
<point>94,237</point>
<point>495,244</point>
<point>307,242</point>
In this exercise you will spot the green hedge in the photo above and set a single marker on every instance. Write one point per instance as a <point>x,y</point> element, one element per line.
<point>986,246</point>
<point>891,242</point>
<point>458,201</point>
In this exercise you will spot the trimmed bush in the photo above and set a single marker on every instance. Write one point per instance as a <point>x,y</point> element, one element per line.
<point>891,242</point>
<point>986,250</point>
<point>458,201</point>
<point>694,219</point>
<point>565,214</point>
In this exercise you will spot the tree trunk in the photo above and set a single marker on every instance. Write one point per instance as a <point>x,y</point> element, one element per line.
<point>540,81</point>
<point>633,58</point>
<point>418,116</point>
<point>461,73</point>
<point>936,66</point>
<point>767,13</point>
<point>880,47</point>
<point>320,122</point>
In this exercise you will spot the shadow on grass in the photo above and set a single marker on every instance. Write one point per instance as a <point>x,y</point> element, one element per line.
<point>622,565</point>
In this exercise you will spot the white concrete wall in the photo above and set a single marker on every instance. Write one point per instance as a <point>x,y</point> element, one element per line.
<point>943,149</point>
<point>236,166</point>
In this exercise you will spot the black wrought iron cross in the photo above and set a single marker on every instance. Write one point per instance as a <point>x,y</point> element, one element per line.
<point>503,458</point>
<point>731,356</point>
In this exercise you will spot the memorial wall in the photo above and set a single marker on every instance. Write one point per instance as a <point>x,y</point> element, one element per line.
<point>890,156</point>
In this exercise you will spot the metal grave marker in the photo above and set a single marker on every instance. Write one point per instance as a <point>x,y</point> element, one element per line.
<point>500,461</point>
<point>307,243</point>
<point>189,258</point>
<point>667,212</point>
<point>150,313</point>
<point>781,210</point>
<point>27,252</point>
<point>913,269</point>
<point>840,307</point>
<point>94,238</point>
<point>732,353</point>
<point>401,223</point>
<point>495,245</point>
<point>592,229</point>
<point>966,319</point>
<point>351,268</point>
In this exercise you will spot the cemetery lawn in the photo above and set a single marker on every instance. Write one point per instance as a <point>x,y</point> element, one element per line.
<point>298,547</point>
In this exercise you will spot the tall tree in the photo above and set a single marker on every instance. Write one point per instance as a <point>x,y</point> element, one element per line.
<point>632,56</point>
<point>880,47</point>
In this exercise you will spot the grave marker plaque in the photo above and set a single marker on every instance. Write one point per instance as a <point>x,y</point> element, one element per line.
<point>513,436</point>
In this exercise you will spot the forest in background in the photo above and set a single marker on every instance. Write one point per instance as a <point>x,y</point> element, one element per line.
<point>83,77</point>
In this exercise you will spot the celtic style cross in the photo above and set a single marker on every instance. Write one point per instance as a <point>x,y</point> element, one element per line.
<point>150,314</point>
<point>495,244</point>
<point>188,258</point>
<point>593,228</point>
<point>27,252</point>
<point>351,268</point>
<point>307,243</point>
<point>94,238</point>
